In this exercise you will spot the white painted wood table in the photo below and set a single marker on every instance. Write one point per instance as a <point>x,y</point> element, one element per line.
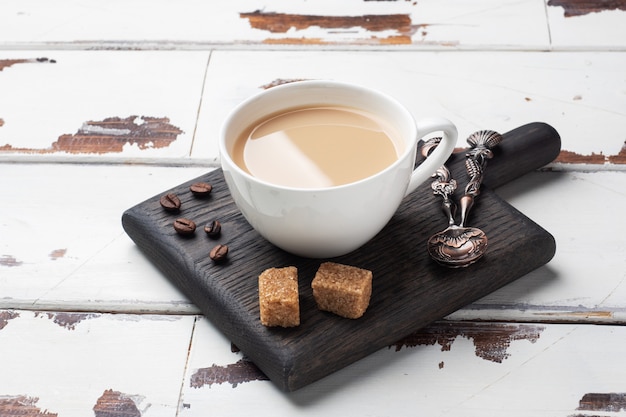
<point>103,105</point>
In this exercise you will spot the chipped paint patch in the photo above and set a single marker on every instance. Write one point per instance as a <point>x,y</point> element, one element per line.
<point>23,406</point>
<point>116,404</point>
<point>111,135</point>
<point>57,253</point>
<point>609,402</point>
<point>583,7</point>
<point>568,157</point>
<point>5,317</point>
<point>296,41</point>
<point>606,315</point>
<point>6,63</point>
<point>8,260</point>
<point>281,81</point>
<point>234,374</point>
<point>402,39</point>
<point>283,22</point>
<point>620,158</point>
<point>491,341</point>
<point>67,320</point>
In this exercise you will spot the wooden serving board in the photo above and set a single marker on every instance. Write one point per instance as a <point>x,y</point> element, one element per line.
<point>409,290</point>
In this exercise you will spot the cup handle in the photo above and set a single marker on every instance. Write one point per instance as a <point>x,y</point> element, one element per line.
<point>439,156</point>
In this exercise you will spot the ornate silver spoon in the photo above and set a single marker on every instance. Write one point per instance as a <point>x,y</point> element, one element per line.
<point>459,245</point>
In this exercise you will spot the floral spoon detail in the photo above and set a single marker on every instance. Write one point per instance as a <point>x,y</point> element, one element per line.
<point>459,245</point>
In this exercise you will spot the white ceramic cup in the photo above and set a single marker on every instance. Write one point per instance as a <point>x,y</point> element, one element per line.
<point>332,221</point>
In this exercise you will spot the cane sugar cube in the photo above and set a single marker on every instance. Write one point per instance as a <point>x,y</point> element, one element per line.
<point>342,289</point>
<point>278,297</point>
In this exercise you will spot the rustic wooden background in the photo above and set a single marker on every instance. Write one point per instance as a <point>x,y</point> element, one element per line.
<point>103,105</point>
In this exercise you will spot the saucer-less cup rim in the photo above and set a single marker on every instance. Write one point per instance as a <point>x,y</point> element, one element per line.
<point>226,148</point>
<point>330,221</point>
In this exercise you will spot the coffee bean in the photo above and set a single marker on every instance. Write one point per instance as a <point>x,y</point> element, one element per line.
<point>218,253</point>
<point>184,227</point>
<point>170,202</point>
<point>213,229</point>
<point>201,189</point>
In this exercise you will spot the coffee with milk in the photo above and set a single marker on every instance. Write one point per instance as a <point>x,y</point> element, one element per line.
<point>317,147</point>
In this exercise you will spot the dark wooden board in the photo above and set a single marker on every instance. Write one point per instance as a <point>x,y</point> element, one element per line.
<point>409,290</point>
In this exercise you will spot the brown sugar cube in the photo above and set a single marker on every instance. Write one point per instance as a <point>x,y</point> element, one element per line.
<point>342,289</point>
<point>278,297</point>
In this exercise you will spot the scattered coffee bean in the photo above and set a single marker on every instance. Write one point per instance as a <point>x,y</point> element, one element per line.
<point>218,253</point>
<point>170,202</point>
<point>213,229</point>
<point>201,189</point>
<point>184,227</point>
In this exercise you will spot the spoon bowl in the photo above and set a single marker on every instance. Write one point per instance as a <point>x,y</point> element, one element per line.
<point>457,246</point>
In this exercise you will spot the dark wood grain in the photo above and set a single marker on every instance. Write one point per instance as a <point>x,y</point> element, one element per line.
<point>409,290</point>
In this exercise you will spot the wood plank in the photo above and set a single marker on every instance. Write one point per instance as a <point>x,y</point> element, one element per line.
<point>62,245</point>
<point>97,267</point>
<point>77,364</point>
<point>537,24</point>
<point>458,369</point>
<point>135,351</point>
<point>574,92</point>
<point>107,106</point>
<point>580,102</point>
<point>425,24</point>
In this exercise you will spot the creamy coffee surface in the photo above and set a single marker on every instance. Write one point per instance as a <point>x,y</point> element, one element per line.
<point>317,147</point>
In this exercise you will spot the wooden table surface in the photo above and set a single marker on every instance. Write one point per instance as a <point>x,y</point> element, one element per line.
<point>103,105</point>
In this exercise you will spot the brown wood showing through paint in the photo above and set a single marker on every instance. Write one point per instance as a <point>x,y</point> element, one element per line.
<point>67,320</point>
<point>114,403</point>
<point>111,403</point>
<point>22,406</point>
<point>10,261</point>
<point>110,136</point>
<point>583,7</point>
<point>491,341</point>
<point>233,374</point>
<point>613,402</point>
<point>280,81</point>
<point>6,63</point>
<point>6,316</point>
<point>283,22</point>
<point>57,254</point>
<point>568,157</point>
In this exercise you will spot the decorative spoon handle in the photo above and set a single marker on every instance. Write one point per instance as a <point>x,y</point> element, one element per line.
<point>481,143</point>
<point>443,185</point>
